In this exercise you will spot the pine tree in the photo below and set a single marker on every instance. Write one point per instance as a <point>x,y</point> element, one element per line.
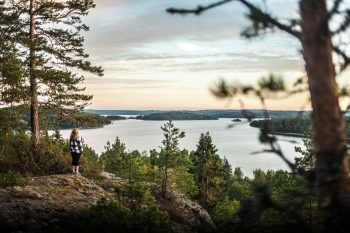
<point>204,161</point>
<point>170,149</point>
<point>12,87</point>
<point>50,46</point>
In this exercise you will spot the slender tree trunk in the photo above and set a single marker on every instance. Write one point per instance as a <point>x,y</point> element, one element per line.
<point>310,208</point>
<point>204,192</point>
<point>165,178</point>
<point>328,124</point>
<point>34,105</point>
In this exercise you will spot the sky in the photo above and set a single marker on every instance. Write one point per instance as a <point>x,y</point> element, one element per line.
<point>154,60</point>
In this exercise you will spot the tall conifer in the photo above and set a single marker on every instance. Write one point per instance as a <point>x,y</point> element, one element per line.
<point>49,44</point>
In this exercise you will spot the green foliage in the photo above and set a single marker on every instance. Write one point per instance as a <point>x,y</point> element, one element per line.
<point>114,216</point>
<point>111,158</point>
<point>297,125</point>
<point>238,188</point>
<point>89,161</point>
<point>181,180</point>
<point>51,157</point>
<point>210,171</point>
<point>238,173</point>
<point>272,83</point>
<point>129,193</point>
<point>224,211</point>
<point>57,48</point>
<point>12,75</point>
<point>11,179</point>
<point>133,166</point>
<point>277,201</point>
<point>170,150</point>
<point>18,118</point>
<point>300,125</point>
<point>79,120</point>
<point>116,118</point>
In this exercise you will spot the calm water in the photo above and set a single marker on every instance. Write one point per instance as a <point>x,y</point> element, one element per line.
<point>236,144</point>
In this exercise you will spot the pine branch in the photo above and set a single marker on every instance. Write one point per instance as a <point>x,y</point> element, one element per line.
<point>267,18</point>
<point>345,57</point>
<point>200,9</point>
<point>344,25</point>
<point>334,9</point>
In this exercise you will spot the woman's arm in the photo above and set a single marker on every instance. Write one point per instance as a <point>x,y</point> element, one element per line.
<point>81,146</point>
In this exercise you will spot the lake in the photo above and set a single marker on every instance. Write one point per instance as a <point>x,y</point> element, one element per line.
<point>237,143</point>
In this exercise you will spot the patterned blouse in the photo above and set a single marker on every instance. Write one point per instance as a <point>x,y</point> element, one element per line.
<point>76,145</point>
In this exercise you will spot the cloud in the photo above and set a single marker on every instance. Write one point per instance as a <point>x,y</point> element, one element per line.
<point>188,47</point>
<point>146,51</point>
<point>126,26</point>
<point>202,63</point>
<point>124,81</point>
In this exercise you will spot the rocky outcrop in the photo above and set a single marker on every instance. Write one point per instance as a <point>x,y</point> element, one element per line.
<point>53,201</point>
<point>186,211</point>
<point>45,201</point>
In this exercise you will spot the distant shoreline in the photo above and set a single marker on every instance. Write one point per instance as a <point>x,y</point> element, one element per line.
<point>296,135</point>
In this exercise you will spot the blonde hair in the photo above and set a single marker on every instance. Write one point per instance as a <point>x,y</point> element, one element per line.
<point>75,133</point>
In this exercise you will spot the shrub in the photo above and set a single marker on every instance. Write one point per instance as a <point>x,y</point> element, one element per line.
<point>90,162</point>
<point>134,193</point>
<point>50,158</point>
<point>224,211</point>
<point>113,216</point>
<point>11,179</point>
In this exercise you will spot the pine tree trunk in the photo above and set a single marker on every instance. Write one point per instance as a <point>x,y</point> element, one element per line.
<point>34,105</point>
<point>165,178</point>
<point>328,124</point>
<point>207,188</point>
<point>204,198</point>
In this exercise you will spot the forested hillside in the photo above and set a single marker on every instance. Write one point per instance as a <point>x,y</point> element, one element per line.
<point>151,181</point>
<point>298,125</point>
<point>51,120</point>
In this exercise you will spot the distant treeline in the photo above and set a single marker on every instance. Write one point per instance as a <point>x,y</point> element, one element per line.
<point>254,113</point>
<point>85,120</point>
<point>296,125</point>
<point>233,113</point>
<point>116,118</point>
<point>19,116</point>
<point>121,112</point>
<point>175,115</point>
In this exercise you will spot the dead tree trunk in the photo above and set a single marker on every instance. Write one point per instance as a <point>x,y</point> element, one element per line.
<point>328,124</point>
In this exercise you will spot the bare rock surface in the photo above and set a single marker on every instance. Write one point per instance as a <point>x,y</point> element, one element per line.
<point>186,211</point>
<point>47,200</point>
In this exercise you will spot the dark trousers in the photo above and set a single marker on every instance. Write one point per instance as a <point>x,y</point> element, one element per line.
<point>75,159</point>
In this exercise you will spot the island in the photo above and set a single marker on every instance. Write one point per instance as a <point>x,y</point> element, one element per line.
<point>175,115</point>
<point>116,118</point>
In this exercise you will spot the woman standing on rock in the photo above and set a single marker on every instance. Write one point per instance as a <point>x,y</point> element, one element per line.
<point>76,149</point>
